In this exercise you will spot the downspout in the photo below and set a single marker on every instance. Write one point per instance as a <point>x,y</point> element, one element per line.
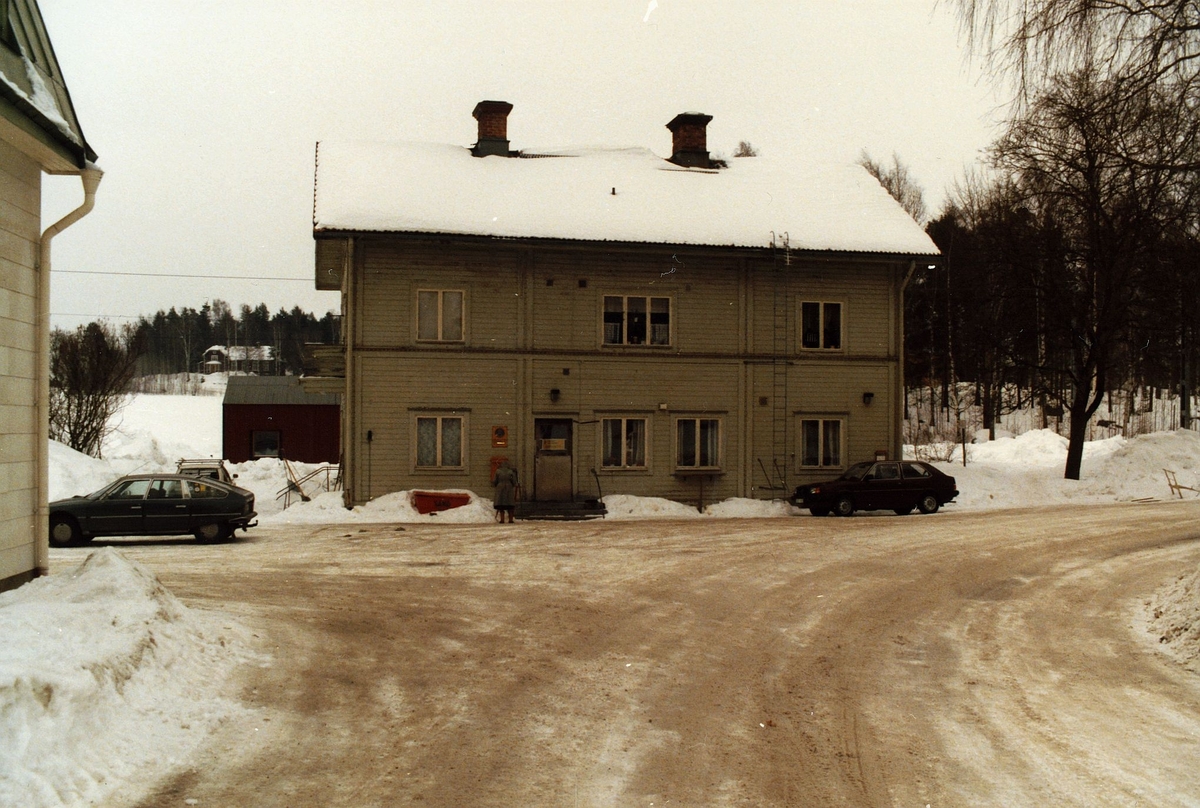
<point>898,396</point>
<point>91,176</point>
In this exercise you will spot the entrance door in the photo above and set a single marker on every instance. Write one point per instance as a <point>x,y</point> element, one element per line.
<point>552,460</point>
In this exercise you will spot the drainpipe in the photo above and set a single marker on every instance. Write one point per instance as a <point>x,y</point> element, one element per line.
<point>91,176</point>
<point>898,396</point>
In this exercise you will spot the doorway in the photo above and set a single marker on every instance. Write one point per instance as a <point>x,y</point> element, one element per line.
<point>552,460</point>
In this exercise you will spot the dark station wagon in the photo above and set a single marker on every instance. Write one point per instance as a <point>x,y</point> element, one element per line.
<point>894,485</point>
<point>154,505</point>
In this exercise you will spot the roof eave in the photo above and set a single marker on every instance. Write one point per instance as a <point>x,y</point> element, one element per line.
<point>467,238</point>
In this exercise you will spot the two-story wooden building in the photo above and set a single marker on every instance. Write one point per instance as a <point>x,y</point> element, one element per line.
<point>39,133</point>
<point>609,320</point>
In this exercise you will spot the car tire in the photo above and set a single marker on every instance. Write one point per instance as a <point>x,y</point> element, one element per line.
<point>64,532</point>
<point>819,511</point>
<point>905,511</point>
<point>928,503</point>
<point>213,532</point>
<point>844,506</point>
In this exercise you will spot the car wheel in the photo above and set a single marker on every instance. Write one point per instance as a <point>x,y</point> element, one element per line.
<point>928,504</point>
<point>844,506</point>
<point>819,511</point>
<point>64,531</point>
<point>213,532</point>
<point>905,511</point>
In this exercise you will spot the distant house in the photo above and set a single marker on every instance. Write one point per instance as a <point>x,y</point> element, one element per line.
<point>272,416</point>
<point>609,320</point>
<point>256,359</point>
<point>38,133</point>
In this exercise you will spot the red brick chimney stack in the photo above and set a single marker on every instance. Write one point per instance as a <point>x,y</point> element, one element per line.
<point>493,128</point>
<point>689,139</point>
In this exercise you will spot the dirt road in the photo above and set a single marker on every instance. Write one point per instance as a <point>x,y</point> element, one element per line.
<point>959,659</point>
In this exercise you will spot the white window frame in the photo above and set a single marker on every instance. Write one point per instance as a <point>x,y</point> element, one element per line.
<point>439,417</point>
<point>441,325</point>
<point>821,421</point>
<point>821,314</point>
<point>625,465</point>
<point>625,343</point>
<point>720,448</point>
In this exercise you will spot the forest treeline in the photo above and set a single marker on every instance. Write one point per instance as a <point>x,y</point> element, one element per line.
<point>175,341</point>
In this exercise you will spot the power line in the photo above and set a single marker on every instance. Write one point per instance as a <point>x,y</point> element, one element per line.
<point>177,275</point>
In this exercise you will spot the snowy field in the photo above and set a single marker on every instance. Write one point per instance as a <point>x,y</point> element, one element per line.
<point>105,675</point>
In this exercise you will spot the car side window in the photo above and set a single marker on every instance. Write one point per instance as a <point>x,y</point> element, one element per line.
<point>887,471</point>
<point>134,489</point>
<point>202,490</point>
<point>166,489</point>
<point>913,472</point>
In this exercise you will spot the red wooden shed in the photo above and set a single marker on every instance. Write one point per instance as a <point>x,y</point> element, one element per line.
<point>272,416</point>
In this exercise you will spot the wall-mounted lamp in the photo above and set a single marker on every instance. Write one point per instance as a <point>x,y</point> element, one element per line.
<point>555,393</point>
<point>868,398</point>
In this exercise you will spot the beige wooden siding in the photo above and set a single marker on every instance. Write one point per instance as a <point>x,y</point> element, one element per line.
<point>568,291</point>
<point>866,294</point>
<point>392,273</point>
<point>483,391</point>
<point>534,326</point>
<point>20,202</point>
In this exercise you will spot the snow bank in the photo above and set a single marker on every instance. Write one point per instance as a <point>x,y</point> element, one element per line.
<point>1026,471</point>
<point>1173,617</point>
<point>395,507</point>
<point>103,674</point>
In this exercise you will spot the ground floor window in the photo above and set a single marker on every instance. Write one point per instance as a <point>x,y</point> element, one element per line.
<point>698,443</point>
<point>439,441</point>
<point>624,443</point>
<point>820,442</point>
<point>264,443</point>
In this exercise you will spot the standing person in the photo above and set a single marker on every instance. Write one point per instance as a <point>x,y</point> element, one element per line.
<point>505,480</point>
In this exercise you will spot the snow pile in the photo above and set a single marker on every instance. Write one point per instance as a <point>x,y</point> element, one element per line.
<point>1173,616</point>
<point>104,674</point>
<point>395,507</point>
<point>1026,471</point>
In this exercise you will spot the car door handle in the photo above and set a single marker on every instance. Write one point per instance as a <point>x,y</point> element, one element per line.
<point>181,506</point>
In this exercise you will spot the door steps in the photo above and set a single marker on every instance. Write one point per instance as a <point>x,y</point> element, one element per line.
<point>562,511</point>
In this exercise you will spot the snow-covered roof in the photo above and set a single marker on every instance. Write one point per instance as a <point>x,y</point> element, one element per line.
<point>618,195</point>
<point>31,79</point>
<point>241,352</point>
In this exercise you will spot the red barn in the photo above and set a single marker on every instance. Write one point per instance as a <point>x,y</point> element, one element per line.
<point>272,416</point>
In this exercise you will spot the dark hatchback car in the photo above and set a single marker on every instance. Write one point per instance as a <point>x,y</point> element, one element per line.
<point>894,485</point>
<point>154,505</point>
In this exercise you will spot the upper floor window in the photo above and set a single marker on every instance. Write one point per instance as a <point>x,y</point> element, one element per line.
<point>630,320</point>
<point>698,443</point>
<point>440,441</point>
<point>820,442</point>
<point>624,443</point>
<point>820,325</point>
<point>439,315</point>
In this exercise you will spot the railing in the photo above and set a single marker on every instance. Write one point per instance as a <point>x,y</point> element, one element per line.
<point>327,477</point>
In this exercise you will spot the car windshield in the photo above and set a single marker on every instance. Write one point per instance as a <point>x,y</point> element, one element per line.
<point>857,471</point>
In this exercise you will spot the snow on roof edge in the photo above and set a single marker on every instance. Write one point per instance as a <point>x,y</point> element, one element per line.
<point>606,195</point>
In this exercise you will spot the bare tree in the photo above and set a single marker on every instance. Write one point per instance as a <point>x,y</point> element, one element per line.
<point>899,183</point>
<point>1139,46</point>
<point>1103,216</point>
<point>90,370</point>
<point>744,149</point>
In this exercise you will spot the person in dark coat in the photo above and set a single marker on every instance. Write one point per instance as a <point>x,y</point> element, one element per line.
<point>505,480</point>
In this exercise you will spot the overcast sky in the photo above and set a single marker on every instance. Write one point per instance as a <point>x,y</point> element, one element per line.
<point>206,115</point>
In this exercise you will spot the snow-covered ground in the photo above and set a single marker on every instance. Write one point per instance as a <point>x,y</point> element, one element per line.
<point>104,673</point>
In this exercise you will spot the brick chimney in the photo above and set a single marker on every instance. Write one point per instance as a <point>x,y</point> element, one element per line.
<point>689,139</point>
<point>493,128</point>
